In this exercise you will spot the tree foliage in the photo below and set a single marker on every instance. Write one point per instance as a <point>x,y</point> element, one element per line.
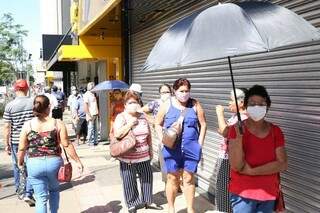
<point>13,56</point>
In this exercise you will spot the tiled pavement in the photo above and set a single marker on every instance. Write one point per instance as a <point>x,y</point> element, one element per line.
<point>97,190</point>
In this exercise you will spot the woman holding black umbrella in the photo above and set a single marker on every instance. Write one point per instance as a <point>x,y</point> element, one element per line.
<point>256,157</point>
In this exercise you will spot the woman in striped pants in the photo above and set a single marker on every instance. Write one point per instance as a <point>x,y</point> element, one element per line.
<point>135,162</point>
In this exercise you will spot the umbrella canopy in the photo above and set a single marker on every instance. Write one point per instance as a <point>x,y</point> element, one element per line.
<point>229,30</point>
<point>110,85</point>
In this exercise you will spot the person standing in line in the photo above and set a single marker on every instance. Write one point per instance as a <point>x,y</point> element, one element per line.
<point>136,162</point>
<point>257,156</point>
<point>57,112</point>
<point>70,103</point>
<point>52,98</point>
<point>165,93</point>
<point>41,139</point>
<point>72,97</point>
<point>16,113</point>
<point>138,90</point>
<point>80,117</point>
<point>222,168</point>
<point>182,161</point>
<point>92,112</point>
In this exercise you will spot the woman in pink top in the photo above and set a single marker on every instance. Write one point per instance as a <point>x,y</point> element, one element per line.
<point>256,157</point>
<point>137,161</point>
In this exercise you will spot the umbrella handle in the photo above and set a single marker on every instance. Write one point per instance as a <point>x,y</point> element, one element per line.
<point>235,96</point>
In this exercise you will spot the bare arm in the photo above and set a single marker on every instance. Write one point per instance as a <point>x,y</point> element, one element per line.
<point>160,118</point>
<point>23,145</point>
<point>203,123</point>
<point>279,165</point>
<point>64,141</point>
<point>6,135</point>
<point>236,155</point>
<point>223,127</point>
<point>145,108</point>
<point>121,127</point>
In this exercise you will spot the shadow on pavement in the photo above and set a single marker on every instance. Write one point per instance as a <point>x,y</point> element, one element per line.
<point>6,171</point>
<point>159,198</point>
<point>87,179</point>
<point>199,205</point>
<point>112,206</point>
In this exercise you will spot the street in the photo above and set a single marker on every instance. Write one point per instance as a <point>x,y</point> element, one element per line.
<point>97,190</point>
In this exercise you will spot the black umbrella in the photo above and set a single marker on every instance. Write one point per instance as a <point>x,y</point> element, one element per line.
<point>227,30</point>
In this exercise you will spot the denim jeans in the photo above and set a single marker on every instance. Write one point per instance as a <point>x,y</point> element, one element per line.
<point>43,176</point>
<point>244,205</point>
<point>16,174</point>
<point>92,131</point>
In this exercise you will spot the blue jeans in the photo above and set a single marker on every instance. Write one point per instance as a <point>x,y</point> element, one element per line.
<point>245,205</point>
<point>43,176</point>
<point>16,174</point>
<point>92,131</point>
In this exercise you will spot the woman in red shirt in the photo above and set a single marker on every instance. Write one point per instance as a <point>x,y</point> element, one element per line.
<point>256,157</point>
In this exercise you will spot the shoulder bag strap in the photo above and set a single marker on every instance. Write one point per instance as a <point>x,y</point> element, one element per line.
<point>58,138</point>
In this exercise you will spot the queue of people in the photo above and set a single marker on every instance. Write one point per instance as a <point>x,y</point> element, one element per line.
<point>248,165</point>
<point>251,157</point>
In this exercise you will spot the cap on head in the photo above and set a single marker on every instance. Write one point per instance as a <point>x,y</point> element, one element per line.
<point>73,88</point>
<point>240,94</point>
<point>136,88</point>
<point>21,85</point>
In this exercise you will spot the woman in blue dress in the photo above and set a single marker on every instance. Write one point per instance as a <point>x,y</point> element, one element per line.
<point>182,161</point>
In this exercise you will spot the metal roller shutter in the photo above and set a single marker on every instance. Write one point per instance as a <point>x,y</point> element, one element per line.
<point>291,76</point>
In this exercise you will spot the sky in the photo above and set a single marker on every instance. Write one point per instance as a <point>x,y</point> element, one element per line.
<point>26,13</point>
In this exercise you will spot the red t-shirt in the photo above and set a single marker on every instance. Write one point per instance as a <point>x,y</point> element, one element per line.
<point>257,151</point>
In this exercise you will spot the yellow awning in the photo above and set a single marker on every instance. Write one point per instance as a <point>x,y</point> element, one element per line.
<point>88,50</point>
<point>106,9</point>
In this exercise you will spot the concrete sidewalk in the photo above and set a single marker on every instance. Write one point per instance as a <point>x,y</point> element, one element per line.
<point>97,190</point>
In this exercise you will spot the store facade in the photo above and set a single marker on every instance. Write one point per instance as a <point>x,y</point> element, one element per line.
<point>291,75</point>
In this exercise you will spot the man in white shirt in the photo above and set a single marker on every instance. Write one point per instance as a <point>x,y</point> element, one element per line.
<point>92,112</point>
<point>53,100</point>
<point>72,99</point>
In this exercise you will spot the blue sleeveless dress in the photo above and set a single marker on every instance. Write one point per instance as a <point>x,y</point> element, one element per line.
<point>187,152</point>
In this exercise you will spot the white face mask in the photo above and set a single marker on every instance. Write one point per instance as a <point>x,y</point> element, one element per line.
<point>182,96</point>
<point>132,108</point>
<point>74,92</point>
<point>165,97</point>
<point>257,113</point>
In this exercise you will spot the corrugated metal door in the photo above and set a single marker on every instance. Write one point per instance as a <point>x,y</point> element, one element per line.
<point>291,76</point>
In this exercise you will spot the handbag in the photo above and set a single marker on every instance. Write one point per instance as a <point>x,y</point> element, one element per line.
<point>65,171</point>
<point>279,203</point>
<point>120,147</point>
<point>171,134</point>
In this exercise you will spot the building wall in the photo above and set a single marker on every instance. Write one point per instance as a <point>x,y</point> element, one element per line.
<point>291,76</point>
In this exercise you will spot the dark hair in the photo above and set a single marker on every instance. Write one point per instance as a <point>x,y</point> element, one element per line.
<point>165,85</point>
<point>259,91</point>
<point>54,88</point>
<point>40,105</point>
<point>130,94</point>
<point>181,82</point>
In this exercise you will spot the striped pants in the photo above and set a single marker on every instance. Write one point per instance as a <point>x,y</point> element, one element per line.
<point>129,182</point>
<point>222,199</point>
